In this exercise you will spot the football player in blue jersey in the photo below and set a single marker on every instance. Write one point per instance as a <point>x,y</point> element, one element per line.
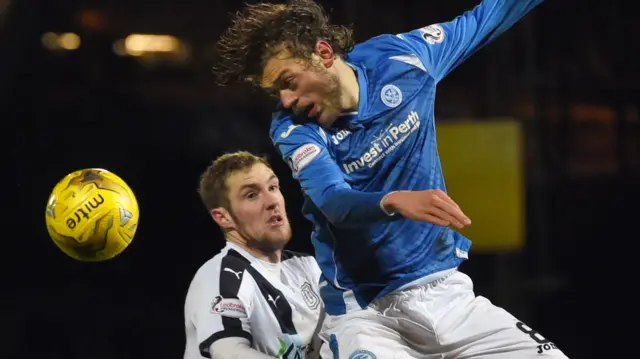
<point>356,126</point>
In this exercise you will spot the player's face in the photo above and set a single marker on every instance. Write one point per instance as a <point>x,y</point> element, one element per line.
<point>309,87</point>
<point>258,209</point>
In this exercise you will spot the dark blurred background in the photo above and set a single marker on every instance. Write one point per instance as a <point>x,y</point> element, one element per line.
<point>75,94</point>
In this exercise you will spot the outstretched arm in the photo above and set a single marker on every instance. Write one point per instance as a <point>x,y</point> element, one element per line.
<point>304,149</point>
<point>442,47</point>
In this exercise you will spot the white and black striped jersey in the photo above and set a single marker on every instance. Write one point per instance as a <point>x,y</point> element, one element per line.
<point>276,306</point>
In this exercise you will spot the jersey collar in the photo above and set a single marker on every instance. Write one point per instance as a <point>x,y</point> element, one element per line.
<point>270,267</point>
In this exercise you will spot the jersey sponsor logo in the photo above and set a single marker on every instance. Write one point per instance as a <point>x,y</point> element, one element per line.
<point>290,129</point>
<point>391,95</point>
<point>388,141</point>
<point>433,34</point>
<point>228,307</point>
<point>362,354</point>
<point>302,156</point>
<point>310,297</point>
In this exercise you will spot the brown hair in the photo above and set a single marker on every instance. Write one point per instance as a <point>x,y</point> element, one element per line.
<point>213,182</point>
<point>260,31</point>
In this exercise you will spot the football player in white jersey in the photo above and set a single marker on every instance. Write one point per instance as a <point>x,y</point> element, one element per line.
<point>254,299</point>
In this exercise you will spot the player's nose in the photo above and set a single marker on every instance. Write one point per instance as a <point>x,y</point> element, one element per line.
<point>288,98</point>
<point>272,201</point>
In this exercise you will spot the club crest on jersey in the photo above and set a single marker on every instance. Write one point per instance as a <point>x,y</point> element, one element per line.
<point>310,297</point>
<point>433,34</point>
<point>391,95</point>
<point>362,354</point>
<point>228,307</point>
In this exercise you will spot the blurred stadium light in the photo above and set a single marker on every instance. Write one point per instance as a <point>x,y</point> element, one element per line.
<point>66,41</point>
<point>137,44</point>
<point>151,48</point>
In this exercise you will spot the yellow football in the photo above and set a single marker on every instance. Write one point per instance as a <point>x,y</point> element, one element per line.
<point>92,215</point>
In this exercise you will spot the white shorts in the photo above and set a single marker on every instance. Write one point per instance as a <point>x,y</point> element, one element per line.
<point>443,319</point>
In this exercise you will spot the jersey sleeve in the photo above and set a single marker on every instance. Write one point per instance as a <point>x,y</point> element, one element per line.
<point>232,348</point>
<point>442,47</point>
<point>222,306</point>
<point>303,148</point>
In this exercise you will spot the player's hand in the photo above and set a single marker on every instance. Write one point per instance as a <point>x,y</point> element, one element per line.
<point>432,206</point>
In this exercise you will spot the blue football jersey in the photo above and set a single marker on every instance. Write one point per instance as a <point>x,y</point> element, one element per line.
<point>388,145</point>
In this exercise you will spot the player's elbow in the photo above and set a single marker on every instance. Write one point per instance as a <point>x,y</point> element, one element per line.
<point>336,209</point>
<point>336,219</point>
<point>345,207</point>
<point>331,208</point>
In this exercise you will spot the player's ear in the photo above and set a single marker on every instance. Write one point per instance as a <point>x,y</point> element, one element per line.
<point>223,218</point>
<point>324,50</point>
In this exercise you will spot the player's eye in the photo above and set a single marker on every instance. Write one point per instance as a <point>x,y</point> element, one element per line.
<point>290,82</point>
<point>274,91</point>
<point>251,195</point>
<point>274,187</point>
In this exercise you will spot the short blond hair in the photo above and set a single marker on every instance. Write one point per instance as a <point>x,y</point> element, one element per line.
<point>213,189</point>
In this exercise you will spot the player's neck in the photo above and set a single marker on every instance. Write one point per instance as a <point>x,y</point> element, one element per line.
<point>349,86</point>
<point>271,256</point>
